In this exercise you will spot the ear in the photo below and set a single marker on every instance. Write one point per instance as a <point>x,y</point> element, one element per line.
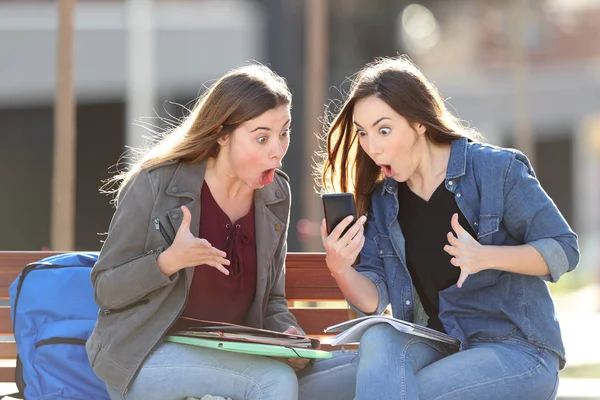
<point>223,139</point>
<point>420,128</point>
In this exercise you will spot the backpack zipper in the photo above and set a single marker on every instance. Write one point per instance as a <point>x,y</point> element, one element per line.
<point>60,340</point>
<point>33,267</point>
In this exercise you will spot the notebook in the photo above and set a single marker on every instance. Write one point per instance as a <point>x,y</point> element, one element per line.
<point>250,348</point>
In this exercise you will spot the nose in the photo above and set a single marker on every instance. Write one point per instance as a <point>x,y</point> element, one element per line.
<point>371,145</point>
<point>278,150</point>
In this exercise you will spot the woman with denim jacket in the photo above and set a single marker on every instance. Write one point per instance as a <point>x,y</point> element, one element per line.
<point>460,230</point>
<point>200,231</point>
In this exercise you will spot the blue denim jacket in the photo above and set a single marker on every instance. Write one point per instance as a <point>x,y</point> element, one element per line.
<point>500,197</point>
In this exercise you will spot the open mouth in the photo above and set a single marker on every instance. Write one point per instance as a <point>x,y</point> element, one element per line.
<point>267,176</point>
<point>387,169</point>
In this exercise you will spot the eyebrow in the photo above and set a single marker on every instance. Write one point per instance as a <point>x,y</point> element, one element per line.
<point>374,123</point>
<point>266,128</point>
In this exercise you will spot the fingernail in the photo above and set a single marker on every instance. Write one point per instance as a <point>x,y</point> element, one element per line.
<point>363,218</point>
<point>349,218</point>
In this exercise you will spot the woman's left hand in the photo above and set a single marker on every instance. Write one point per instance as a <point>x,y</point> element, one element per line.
<point>296,363</point>
<point>467,253</point>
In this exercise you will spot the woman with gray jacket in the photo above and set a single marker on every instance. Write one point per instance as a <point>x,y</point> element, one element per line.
<point>213,187</point>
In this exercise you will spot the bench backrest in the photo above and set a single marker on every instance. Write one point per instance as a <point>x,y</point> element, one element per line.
<point>307,282</point>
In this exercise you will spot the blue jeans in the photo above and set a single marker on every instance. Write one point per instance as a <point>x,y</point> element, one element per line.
<point>394,365</point>
<point>175,371</point>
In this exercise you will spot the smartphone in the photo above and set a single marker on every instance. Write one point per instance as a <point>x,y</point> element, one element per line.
<point>338,206</point>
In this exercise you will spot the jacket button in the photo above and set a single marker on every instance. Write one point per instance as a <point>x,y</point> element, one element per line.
<point>278,194</point>
<point>408,302</point>
<point>450,183</point>
<point>175,189</point>
<point>458,195</point>
<point>476,223</point>
<point>175,216</point>
<point>277,227</point>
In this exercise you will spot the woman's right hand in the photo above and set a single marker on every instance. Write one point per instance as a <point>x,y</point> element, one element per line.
<point>342,251</point>
<point>188,251</point>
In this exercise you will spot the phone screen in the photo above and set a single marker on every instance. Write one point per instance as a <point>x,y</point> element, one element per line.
<point>338,206</point>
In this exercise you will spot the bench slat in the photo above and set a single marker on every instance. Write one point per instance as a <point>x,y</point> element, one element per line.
<point>13,262</point>
<point>315,320</point>
<point>308,278</point>
<point>8,350</point>
<point>5,322</point>
<point>7,370</point>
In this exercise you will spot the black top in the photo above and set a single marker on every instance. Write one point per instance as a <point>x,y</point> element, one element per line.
<point>425,225</point>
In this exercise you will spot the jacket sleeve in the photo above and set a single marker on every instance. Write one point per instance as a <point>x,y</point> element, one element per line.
<point>125,271</point>
<point>278,316</point>
<point>371,266</point>
<point>531,217</point>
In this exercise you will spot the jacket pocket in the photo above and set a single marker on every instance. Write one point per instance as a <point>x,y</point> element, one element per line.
<point>388,256</point>
<point>384,246</point>
<point>108,311</point>
<point>488,224</point>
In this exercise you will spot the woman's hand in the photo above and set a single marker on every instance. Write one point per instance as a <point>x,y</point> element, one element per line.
<point>296,363</point>
<point>467,253</point>
<point>188,251</point>
<point>342,251</point>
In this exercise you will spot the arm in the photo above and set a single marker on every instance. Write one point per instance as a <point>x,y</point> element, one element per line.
<point>363,286</point>
<point>549,246</point>
<point>125,272</point>
<point>533,218</point>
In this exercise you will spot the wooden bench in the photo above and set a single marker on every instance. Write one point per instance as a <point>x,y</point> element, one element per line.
<point>307,281</point>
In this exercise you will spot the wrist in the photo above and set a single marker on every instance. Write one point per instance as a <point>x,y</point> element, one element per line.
<point>341,274</point>
<point>489,257</point>
<point>165,263</point>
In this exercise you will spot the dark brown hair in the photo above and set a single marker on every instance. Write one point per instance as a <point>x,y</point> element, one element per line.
<point>343,165</point>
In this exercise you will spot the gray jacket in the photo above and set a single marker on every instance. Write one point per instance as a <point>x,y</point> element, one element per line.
<point>138,303</point>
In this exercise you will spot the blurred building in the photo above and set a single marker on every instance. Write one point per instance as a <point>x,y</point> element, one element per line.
<point>557,82</point>
<point>465,46</point>
<point>193,43</point>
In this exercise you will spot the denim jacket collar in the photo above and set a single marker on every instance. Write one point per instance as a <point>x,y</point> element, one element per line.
<point>457,166</point>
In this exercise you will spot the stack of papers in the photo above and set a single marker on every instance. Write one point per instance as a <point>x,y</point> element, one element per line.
<point>195,328</point>
<point>351,331</point>
<point>244,339</point>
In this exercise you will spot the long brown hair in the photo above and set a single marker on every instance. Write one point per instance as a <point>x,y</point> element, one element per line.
<point>343,166</point>
<point>239,96</point>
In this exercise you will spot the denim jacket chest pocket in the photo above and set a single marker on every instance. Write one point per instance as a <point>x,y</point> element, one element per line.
<point>487,225</point>
<point>388,256</point>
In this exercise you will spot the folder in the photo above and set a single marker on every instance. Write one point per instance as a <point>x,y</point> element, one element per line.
<point>250,348</point>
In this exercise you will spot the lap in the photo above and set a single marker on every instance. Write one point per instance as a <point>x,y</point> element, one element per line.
<point>329,379</point>
<point>511,369</point>
<point>175,371</point>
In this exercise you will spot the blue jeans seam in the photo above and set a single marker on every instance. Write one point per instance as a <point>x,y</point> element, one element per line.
<point>528,372</point>
<point>404,351</point>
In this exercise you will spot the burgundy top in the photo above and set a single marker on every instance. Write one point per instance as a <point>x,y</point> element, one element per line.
<point>213,295</point>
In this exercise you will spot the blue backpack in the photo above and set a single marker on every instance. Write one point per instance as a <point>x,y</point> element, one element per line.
<point>53,315</point>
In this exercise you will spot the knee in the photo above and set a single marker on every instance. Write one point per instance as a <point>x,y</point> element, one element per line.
<point>379,337</point>
<point>279,381</point>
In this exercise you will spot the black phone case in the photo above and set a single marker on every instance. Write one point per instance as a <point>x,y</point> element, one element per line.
<point>338,206</point>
